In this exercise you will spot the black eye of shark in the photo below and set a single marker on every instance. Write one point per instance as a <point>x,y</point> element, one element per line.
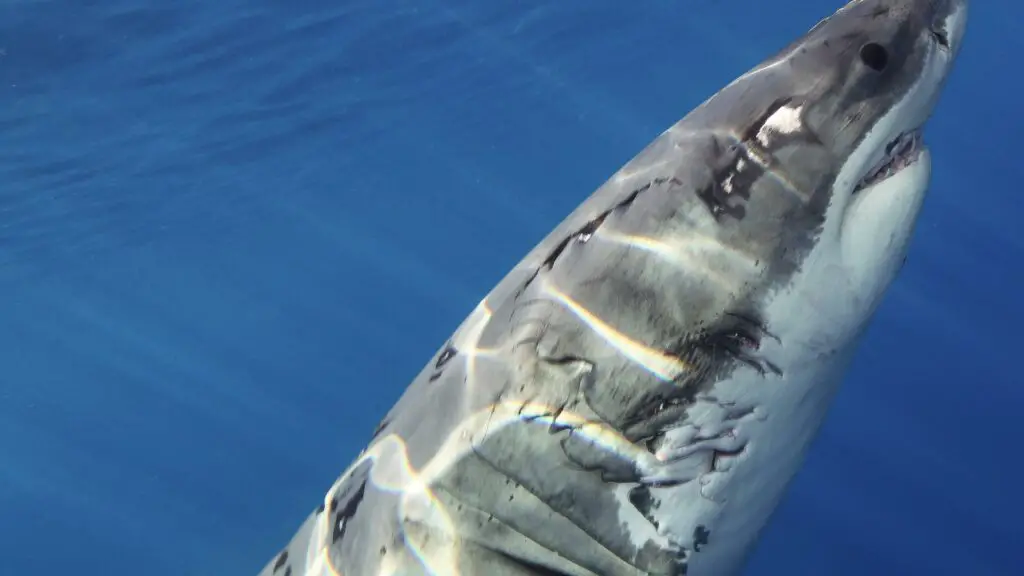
<point>874,56</point>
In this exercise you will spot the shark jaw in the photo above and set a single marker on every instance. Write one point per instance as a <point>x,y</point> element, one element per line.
<point>900,153</point>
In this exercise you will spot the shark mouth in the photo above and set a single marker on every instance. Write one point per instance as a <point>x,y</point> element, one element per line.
<point>899,153</point>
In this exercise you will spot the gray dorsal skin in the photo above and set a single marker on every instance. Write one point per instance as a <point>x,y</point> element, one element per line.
<point>636,394</point>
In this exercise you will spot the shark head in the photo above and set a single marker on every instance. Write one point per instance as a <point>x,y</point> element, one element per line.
<point>834,169</point>
<point>888,61</point>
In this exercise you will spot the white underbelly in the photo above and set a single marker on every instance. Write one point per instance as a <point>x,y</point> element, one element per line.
<point>719,515</point>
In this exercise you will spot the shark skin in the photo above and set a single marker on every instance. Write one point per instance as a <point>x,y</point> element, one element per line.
<point>636,395</point>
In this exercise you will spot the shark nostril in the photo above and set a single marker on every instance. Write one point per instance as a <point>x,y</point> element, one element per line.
<point>874,56</point>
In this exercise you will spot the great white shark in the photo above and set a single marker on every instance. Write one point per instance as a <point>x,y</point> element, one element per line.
<point>634,397</point>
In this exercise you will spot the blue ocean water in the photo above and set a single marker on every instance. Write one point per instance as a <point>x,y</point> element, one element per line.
<point>231,232</point>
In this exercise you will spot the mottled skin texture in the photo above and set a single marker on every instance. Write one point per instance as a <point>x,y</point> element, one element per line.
<point>606,408</point>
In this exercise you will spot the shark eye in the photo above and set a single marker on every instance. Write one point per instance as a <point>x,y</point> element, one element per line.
<point>874,56</point>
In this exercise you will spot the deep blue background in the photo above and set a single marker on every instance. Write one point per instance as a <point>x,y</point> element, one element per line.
<point>231,232</point>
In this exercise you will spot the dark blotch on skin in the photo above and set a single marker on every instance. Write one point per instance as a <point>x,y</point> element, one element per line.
<point>714,196</point>
<point>740,337</point>
<point>282,559</point>
<point>381,425</point>
<point>678,566</point>
<point>445,356</point>
<point>345,503</point>
<point>443,359</point>
<point>700,537</point>
<point>584,232</point>
<point>641,499</point>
